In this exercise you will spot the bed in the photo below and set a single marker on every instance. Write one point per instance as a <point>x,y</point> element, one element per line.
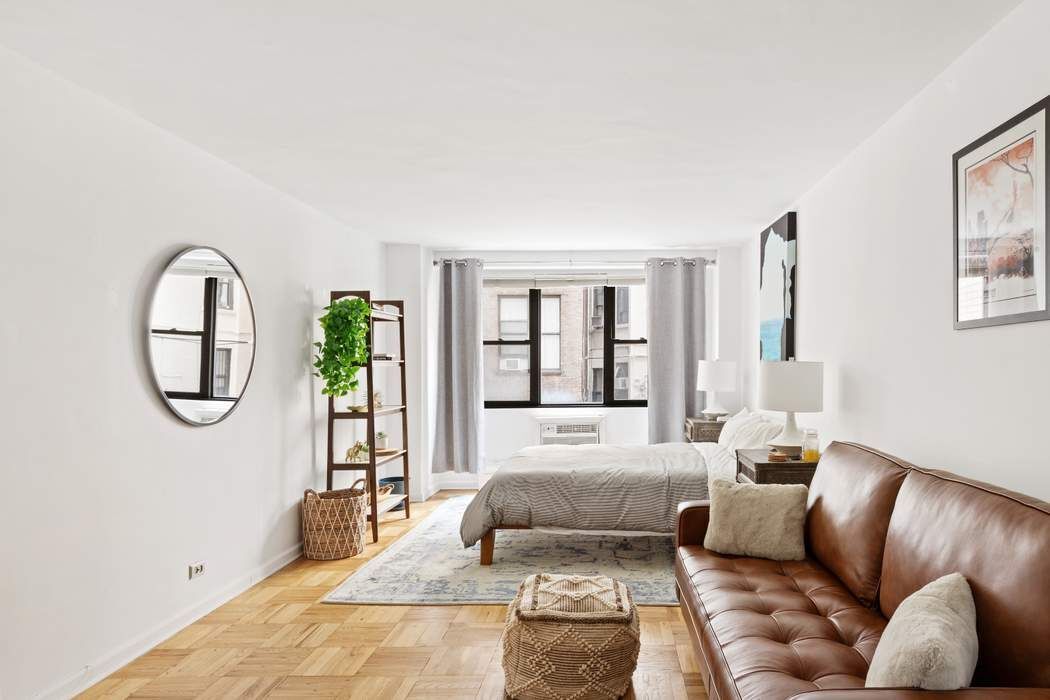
<point>598,489</point>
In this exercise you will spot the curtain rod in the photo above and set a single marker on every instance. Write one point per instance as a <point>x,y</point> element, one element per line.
<point>625,264</point>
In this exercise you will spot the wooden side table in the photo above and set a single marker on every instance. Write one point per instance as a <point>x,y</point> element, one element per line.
<point>754,467</point>
<point>703,430</point>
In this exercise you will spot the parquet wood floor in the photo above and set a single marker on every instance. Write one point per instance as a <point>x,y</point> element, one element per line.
<point>277,640</point>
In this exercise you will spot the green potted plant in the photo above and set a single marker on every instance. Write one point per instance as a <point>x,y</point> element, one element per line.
<point>345,347</point>
<point>382,440</point>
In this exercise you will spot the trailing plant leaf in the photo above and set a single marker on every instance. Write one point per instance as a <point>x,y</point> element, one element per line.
<point>345,347</point>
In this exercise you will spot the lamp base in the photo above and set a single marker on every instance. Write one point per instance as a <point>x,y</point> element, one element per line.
<point>715,410</point>
<point>789,441</point>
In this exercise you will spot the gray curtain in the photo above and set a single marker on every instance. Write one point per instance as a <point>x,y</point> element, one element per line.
<point>460,397</point>
<point>677,311</point>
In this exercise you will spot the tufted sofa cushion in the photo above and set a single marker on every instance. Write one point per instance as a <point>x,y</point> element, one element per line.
<point>773,629</point>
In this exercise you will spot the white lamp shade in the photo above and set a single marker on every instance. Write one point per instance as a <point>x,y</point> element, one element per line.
<point>716,375</point>
<point>791,386</point>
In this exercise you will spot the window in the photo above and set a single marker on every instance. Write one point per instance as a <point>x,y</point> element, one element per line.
<point>597,307</point>
<point>550,334</point>
<point>552,347</point>
<point>224,293</point>
<point>623,305</point>
<point>514,325</point>
<point>223,357</point>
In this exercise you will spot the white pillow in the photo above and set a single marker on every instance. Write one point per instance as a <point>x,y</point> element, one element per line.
<point>755,435</point>
<point>757,520</point>
<point>733,424</point>
<point>931,640</point>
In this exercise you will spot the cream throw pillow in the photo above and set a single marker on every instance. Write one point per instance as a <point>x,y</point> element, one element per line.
<point>757,520</point>
<point>931,640</point>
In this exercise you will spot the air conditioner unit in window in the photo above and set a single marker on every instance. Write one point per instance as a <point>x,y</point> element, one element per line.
<point>514,364</point>
<point>571,431</point>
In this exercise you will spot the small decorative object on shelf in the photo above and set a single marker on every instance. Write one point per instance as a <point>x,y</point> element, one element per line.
<point>382,440</point>
<point>377,399</point>
<point>359,450</point>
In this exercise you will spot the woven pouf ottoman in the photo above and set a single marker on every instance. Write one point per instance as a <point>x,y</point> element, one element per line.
<point>570,637</point>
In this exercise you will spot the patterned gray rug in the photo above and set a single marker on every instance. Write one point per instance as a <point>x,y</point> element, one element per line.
<point>429,565</point>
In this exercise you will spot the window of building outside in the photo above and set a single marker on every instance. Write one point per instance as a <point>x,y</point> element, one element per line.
<point>550,334</point>
<point>223,356</point>
<point>224,293</point>
<point>513,325</point>
<point>567,346</point>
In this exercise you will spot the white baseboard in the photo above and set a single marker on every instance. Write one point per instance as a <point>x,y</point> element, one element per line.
<point>118,658</point>
<point>455,480</point>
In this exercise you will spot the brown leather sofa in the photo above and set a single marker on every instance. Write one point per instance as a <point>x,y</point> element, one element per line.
<point>877,529</point>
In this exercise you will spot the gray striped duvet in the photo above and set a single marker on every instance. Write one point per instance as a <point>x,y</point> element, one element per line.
<point>635,488</point>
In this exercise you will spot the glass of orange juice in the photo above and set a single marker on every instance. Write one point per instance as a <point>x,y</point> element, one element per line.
<point>810,446</point>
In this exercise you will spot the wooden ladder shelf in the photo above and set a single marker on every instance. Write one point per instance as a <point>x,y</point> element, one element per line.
<point>382,314</point>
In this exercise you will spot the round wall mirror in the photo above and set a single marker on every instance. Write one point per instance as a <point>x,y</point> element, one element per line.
<point>201,336</point>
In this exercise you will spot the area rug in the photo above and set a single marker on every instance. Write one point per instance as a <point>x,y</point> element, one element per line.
<point>429,566</point>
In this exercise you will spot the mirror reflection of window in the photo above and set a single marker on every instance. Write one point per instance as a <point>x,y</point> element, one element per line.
<point>202,340</point>
<point>224,293</point>
<point>221,385</point>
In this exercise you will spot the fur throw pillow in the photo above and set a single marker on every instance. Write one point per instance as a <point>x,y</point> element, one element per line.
<point>757,520</point>
<point>931,640</point>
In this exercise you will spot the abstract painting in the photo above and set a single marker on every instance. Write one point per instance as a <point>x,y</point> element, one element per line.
<point>1000,224</point>
<point>776,290</point>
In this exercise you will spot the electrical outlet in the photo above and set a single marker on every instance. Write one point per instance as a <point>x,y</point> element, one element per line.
<point>196,570</point>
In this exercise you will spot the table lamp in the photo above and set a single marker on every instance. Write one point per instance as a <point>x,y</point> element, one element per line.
<point>715,376</point>
<point>792,387</point>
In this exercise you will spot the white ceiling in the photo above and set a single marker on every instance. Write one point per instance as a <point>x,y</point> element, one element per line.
<point>515,123</point>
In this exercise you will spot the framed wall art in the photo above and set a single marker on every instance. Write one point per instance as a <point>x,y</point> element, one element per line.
<point>776,290</point>
<point>1000,223</point>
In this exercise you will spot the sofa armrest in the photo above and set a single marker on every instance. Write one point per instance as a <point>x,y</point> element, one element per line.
<point>691,526</point>
<point>916,694</point>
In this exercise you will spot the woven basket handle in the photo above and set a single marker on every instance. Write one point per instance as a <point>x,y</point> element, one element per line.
<point>309,492</point>
<point>360,481</point>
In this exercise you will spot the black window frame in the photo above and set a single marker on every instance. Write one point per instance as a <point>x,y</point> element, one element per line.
<point>609,345</point>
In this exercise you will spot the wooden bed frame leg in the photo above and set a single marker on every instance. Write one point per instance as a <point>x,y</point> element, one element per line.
<point>488,544</point>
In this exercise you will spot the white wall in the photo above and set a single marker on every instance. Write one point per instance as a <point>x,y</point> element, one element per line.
<point>408,269</point>
<point>875,283</point>
<point>508,430</point>
<point>106,496</point>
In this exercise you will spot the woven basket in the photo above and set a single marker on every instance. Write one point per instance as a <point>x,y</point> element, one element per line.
<point>334,522</point>
<point>570,637</point>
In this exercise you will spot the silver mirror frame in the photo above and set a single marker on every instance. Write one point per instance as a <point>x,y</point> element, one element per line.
<point>149,339</point>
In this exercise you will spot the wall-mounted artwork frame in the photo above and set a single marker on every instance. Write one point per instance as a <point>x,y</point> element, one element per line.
<point>1000,195</point>
<point>776,289</point>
